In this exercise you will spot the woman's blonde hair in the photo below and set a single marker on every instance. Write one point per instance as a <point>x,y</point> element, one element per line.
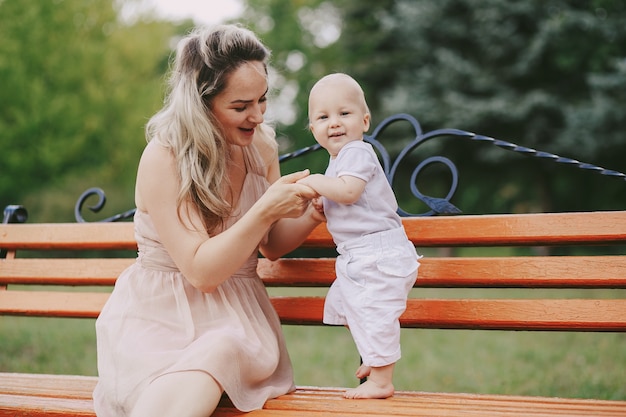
<point>204,59</point>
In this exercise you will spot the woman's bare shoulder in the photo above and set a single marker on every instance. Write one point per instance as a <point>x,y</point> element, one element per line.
<point>156,171</point>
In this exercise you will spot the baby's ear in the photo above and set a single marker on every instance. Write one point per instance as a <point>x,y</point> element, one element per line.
<point>366,122</point>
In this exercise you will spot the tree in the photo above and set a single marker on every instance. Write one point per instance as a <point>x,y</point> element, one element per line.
<point>76,87</point>
<point>546,75</point>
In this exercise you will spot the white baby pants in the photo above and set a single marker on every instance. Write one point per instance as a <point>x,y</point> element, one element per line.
<point>374,276</point>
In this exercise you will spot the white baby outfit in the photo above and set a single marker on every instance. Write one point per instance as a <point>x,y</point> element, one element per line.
<point>377,264</point>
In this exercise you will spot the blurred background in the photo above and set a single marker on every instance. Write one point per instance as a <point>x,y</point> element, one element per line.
<point>79,79</point>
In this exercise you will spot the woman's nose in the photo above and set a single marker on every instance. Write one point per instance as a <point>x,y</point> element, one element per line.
<point>256,114</point>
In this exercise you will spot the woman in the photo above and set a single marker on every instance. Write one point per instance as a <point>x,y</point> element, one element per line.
<point>191,319</point>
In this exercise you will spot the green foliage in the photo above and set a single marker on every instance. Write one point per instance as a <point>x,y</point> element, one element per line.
<point>77,85</point>
<point>546,75</point>
<point>76,88</point>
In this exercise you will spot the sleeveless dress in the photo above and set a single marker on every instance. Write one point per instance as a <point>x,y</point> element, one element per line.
<point>156,323</point>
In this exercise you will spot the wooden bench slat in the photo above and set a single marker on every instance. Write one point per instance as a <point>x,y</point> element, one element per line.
<point>62,271</point>
<point>525,314</point>
<point>68,236</point>
<point>448,404</point>
<point>500,272</point>
<point>47,385</point>
<point>52,303</point>
<point>557,315</point>
<point>33,406</point>
<point>497,229</point>
<point>519,272</point>
<point>518,229</point>
<point>598,315</point>
<point>524,271</point>
<point>506,229</point>
<point>34,390</point>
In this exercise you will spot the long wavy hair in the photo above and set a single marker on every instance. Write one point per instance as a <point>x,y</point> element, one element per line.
<point>204,59</point>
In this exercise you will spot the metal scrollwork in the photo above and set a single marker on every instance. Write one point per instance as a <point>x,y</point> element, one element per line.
<point>436,205</point>
<point>98,206</point>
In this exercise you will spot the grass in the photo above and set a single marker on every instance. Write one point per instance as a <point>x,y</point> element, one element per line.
<point>563,364</point>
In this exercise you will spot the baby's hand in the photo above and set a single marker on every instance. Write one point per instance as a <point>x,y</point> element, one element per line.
<point>318,213</point>
<point>318,203</point>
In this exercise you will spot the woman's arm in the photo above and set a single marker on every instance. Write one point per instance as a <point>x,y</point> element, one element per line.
<point>206,261</point>
<point>288,233</point>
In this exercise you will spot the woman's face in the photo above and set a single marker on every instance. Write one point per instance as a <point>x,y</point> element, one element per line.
<point>240,107</point>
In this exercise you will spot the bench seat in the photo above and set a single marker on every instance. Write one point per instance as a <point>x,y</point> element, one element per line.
<point>62,395</point>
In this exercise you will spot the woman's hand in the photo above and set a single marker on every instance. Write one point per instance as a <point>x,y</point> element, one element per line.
<point>318,209</point>
<point>287,198</point>
<point>299,215</point>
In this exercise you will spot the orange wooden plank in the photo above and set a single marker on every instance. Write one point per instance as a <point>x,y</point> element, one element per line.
<point>517,272</point>
<point>505,229</point>
<point>78,236</point>
<point>52,303</point>
<point>497,272</point>
<point>518,229</point>
<point>496,229</point>
<point>32,406</point>
<point>405,403</point>
<point>47,385</point>
<point>299,272</point>
<point>559,315</point>
<point>523,314</point>
<point>524,272</point>
<point>62,271</point>
<point>318,402</point>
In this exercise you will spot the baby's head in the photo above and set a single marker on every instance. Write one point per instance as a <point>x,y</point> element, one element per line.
<point>338,112</point>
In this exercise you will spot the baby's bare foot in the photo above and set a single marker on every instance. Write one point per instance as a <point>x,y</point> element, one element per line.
<point>369,389</point>
<point>363,371</point>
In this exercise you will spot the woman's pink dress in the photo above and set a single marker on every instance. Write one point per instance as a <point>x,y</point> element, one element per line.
<point>156,323</point>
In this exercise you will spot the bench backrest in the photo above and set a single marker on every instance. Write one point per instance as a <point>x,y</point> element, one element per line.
<point>43,256</point>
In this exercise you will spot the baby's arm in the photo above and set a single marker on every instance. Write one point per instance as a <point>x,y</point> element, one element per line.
<point>343,190</point>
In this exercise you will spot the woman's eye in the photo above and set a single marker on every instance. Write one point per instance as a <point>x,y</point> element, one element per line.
<point>240,109</point>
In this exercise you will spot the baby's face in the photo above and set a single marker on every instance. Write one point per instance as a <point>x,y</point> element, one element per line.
<point>338,114</point>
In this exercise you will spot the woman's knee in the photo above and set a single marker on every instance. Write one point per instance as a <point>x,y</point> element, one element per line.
<point>179,394</point>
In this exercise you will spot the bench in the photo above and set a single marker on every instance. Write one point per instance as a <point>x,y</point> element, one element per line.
<point>37,395</point>
<point>40,257</point>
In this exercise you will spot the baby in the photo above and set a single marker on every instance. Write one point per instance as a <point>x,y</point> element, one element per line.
<point>377,264</point>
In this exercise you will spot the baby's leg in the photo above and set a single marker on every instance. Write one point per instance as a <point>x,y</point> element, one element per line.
<point>379,384</point>
<point>363,371</point>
